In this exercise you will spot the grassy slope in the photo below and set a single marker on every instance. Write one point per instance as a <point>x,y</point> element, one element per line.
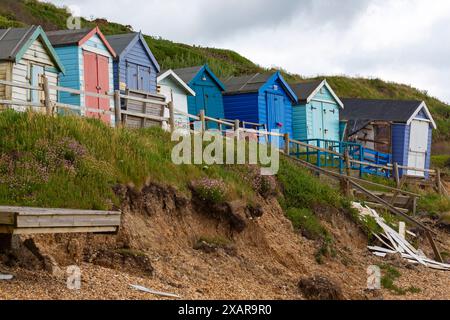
<point>223,62</point>
<point>74,162</point>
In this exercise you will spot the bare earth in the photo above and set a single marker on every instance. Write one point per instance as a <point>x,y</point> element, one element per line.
<point>267,261</point>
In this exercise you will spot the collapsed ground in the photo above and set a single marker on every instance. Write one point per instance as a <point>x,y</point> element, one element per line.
<point>219,232</point>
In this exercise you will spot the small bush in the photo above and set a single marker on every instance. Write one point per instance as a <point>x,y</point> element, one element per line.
<point>210,190</point>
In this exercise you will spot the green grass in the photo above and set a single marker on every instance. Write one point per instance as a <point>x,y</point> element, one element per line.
<point>303,190</point>
<point>75,163</point>
<point>390,276</point>
<point>433,204</point>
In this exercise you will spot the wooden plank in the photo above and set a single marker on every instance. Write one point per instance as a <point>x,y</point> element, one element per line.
<point>392,208</point>
<point>67,221</point>
<point>146,116</point>
<point>29,231</point>
<point>47,211</point>
<point>7,219</point>
<point>382,206</point>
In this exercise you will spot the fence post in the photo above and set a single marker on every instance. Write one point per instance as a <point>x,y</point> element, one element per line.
<point>171,117</point>
<point>117,108</point>
<point>396,174</point>
<point>202,119</point>
<point>47,100</point>
<point>287,144</point>
<point>348,170</point>
<point>236,128</point>
<point>439,182</point>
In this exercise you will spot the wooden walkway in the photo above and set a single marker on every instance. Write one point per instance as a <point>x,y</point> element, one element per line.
<point>23,220</point>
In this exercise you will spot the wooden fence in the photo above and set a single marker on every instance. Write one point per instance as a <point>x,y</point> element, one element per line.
<point>138,110</point>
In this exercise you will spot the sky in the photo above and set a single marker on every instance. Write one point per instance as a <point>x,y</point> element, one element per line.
<point>406,41</point>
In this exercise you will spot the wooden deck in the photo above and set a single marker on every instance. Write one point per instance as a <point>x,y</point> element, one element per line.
<point>23,220</point>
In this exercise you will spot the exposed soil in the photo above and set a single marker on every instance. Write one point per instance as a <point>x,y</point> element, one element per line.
<point>158,247</point>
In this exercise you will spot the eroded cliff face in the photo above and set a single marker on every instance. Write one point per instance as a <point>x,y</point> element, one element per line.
<point>201,250</point>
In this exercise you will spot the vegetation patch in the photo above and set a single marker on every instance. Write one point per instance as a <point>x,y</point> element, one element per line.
<point>72,162</point>
<point>390,276</point>
<point>210,190</point>
<point>433,204</point>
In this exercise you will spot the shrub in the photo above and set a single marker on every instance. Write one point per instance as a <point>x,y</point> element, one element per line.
<point>210,190</point>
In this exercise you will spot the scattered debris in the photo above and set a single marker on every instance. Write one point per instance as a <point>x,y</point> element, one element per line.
<point>6,276</point>
<point>158,293</point>
<point>396,243</point>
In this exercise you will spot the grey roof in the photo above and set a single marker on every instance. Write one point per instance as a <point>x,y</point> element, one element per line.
<point>303,90</point>
<point>12,40</point>
<point>121,41</point>
<point>188,74</point>
<point>246,84</point>
<point>67,37</point>
<point>378,110</point>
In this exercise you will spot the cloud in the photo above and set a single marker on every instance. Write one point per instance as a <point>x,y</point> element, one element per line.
<point>398,40</point>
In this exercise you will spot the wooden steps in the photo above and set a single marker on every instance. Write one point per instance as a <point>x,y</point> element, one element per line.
<point>24,220</point>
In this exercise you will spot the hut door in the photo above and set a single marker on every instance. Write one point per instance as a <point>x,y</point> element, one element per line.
<point>418,147</point>
<point>317,120</point>
<point>132,76</point>
<point>36,73</point>
<point>144,79</point>
<point>275,112</point>
<point>96,78</point>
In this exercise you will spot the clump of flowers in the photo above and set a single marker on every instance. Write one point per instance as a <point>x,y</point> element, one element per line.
<point>210,190</point>
<point>264,185</point>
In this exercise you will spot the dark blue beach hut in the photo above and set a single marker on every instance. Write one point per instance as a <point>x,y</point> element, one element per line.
<point>208,91</point>
<point>262,99</point>
<point>135,67</point>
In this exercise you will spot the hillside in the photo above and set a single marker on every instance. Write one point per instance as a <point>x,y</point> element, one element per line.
<point>200,232</point>
<point>15,13</point>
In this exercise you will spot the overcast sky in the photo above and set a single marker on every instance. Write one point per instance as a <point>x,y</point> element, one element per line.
<point>405,41</point>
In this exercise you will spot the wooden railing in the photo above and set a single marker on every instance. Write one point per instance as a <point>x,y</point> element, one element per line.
<point>341,153</point>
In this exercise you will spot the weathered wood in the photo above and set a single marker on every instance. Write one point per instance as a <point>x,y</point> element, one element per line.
<point>436,251</point>
<point>392,208</point>
<point>171,116</point>
<point>118,108</point>
<point>47,98</point>
<point>382,206</point>
<point>29,231</point>
<point>287,144</point>
<point>439,182</point>
<point>202,120</point>
<point>396,173</point>
<point>7,218</point>
<point>25,220</point>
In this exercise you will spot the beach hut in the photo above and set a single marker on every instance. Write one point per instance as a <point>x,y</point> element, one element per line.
<point>88,59</point>
<point>208,91</point>
<point>135,67</point>
<point>25,55</point>
<point>264,99</point>
<point>177,91</point>
<point>316,113</point>
<point>403,129</point>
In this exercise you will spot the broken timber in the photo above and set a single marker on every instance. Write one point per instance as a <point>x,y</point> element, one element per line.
<point>24,220</point>
<point>377,199</point>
